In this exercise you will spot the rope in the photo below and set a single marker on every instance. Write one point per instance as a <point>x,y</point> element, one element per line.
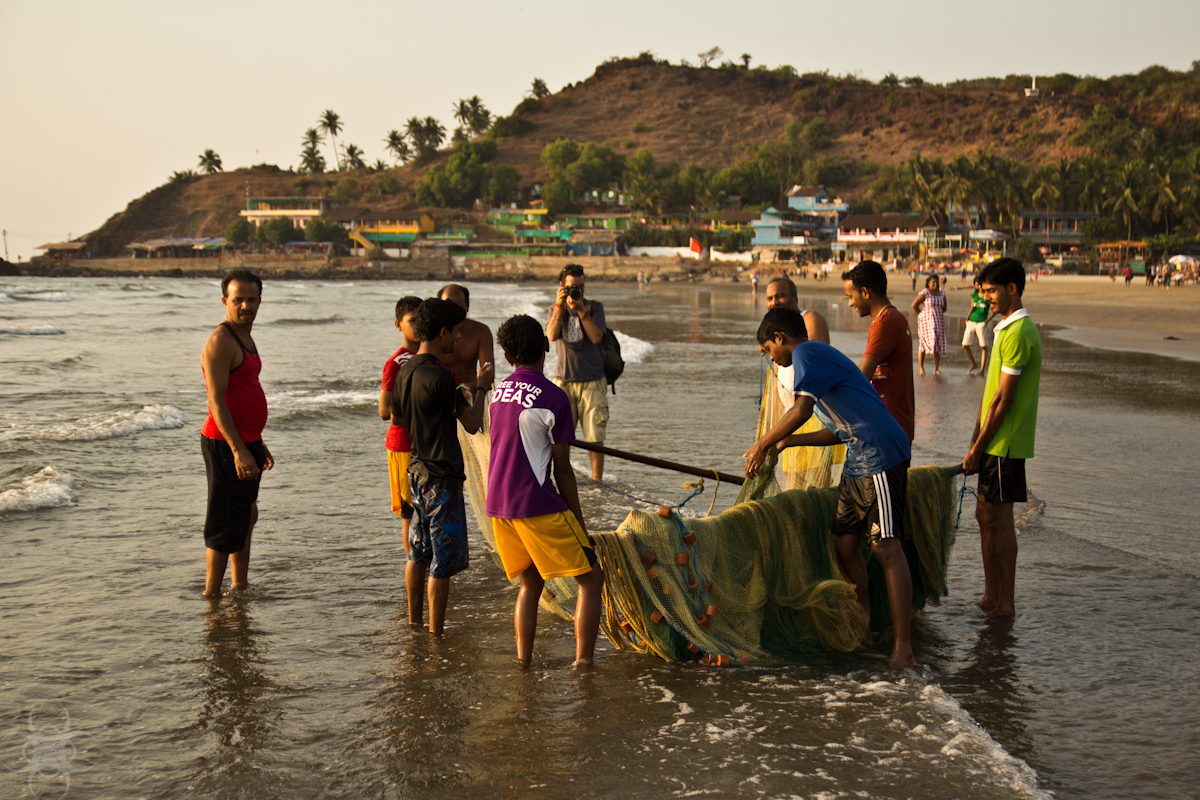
<point>697,487</point>
<point>962,492</point>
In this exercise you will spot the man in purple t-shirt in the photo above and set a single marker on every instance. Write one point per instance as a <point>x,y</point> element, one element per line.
<point>539,528</point>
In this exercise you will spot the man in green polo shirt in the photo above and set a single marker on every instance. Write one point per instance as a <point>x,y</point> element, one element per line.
<point>977,322</point>
<point>1004,432</point>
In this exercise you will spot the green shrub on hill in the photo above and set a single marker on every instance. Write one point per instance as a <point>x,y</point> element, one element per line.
<point>344,189</point>
<point>320,229</point>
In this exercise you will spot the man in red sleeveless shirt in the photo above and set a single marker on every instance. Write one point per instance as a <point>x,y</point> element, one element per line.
<point>231,439</point>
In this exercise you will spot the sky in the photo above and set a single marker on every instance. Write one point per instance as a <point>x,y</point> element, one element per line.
<point>101,100</point>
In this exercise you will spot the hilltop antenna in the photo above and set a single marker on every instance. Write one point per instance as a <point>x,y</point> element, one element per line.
<point>1033,90</point>
<point>6,245</point>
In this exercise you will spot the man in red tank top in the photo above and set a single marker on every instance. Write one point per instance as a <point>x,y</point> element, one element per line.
<point>231,439</point>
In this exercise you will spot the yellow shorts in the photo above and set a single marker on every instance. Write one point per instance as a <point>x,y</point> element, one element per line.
<point>554,543</point>
<point>589,406</point>
<point>398,475</point>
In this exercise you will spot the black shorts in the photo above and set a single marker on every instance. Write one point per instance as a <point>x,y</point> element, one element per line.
<point>873,506</point>
<point>230,500</point>
<point>1002,480</point>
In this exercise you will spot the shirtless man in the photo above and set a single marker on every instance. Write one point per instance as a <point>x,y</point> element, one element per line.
<point>781,291</point>
<point>231,438</point>
<point>474,347</point>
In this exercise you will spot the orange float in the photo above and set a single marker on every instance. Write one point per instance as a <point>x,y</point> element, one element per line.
<point>664,511</point>
<point>649,557</point>
<point>702,621</point>
<point>681,559</point>
<point>656,616</point>
<point>689,537</point>
<point>710,610</point>
<point>652,573</point>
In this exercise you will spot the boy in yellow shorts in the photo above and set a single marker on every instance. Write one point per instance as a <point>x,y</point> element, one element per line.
<point>398,442</point>
<point>539,528</point>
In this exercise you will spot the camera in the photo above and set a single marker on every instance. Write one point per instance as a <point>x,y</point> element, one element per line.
<point>574,292</point>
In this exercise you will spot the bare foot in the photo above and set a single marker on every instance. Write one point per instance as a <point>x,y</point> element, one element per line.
<point>922,371</point>
<point>1001,612</point>
<point>986,603</point>
<point>902,659</point>
<point>211,595</point>
<point>937,372</point>
<point>971,370</point>
<point>581,665</point>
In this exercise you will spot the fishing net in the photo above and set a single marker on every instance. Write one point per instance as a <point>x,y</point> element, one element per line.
<point>758,583</point>
<point>798,467</point>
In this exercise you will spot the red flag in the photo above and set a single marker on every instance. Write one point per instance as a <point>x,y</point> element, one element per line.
<point>694,246</point>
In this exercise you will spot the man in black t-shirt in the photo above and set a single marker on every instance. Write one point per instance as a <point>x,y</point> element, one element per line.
<point>428,401</point>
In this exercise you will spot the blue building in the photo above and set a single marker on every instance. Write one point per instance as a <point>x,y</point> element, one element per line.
<point>814,203</point>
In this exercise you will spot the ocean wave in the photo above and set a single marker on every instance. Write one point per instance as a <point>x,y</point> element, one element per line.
<point>170,294</point>
<point>304,321</point>
<point>300,400</point>
<point>48,488</point>
<point>36,330</point>
<point>6,299</point>
<point>101,426</point>
<point>43,295</point>
<point>138,287</point>
<point>633,350</point>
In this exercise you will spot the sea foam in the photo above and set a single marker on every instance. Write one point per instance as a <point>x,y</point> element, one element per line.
<point>48,488</point>
<point>633,350</point>
<point>101,426</point>
<point>43,295</point>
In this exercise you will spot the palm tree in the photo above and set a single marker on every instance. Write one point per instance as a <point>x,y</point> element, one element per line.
<point>1043,191</point>
<point>539,89</point>
<point>210,162</point>
<point>1010,178</point>
<point>1092,183</point>
<point>1066,179</point>
<point>331,124</point>
<point>395,143</point>
<point>745,58</point>
<point>920,176</point>
<point>311,138</point>
<point>379,166</point>
<point>479,119</point>
<point>434,133</point>
<point>354,157</point>
<point>311,160</point>
<point>1124,199</point>
<point>957,185</point>
<point>1159,197</point>
<point>462,112</point>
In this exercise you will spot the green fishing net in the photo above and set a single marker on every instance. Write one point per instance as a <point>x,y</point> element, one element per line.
<point>758,583</point>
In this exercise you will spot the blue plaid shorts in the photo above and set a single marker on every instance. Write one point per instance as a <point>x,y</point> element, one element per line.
<point>438,537</point>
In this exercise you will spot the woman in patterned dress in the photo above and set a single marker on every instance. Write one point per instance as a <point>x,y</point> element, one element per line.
<point>931,323</point>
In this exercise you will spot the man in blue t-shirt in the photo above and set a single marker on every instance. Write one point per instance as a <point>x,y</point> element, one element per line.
<point>872,492</point>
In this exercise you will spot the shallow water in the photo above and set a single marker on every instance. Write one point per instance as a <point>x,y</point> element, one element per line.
<point>314,685</point>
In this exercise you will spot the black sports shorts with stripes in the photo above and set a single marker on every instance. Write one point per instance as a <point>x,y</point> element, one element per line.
<point>874,505</point>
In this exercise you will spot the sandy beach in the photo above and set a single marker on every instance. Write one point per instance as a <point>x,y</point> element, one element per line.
<point>1085,309</point>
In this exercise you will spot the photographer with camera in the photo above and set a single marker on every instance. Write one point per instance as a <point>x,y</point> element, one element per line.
<point>576,327</point>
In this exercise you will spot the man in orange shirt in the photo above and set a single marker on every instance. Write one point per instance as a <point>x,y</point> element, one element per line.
<point>887,361</point>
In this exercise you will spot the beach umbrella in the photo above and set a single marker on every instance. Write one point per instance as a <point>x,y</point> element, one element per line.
<point>1182,259</point>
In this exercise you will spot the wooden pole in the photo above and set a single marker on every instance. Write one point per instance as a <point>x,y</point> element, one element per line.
<point>658,462</point>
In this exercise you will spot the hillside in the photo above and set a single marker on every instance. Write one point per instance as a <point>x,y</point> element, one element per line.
<point>710,116</point>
